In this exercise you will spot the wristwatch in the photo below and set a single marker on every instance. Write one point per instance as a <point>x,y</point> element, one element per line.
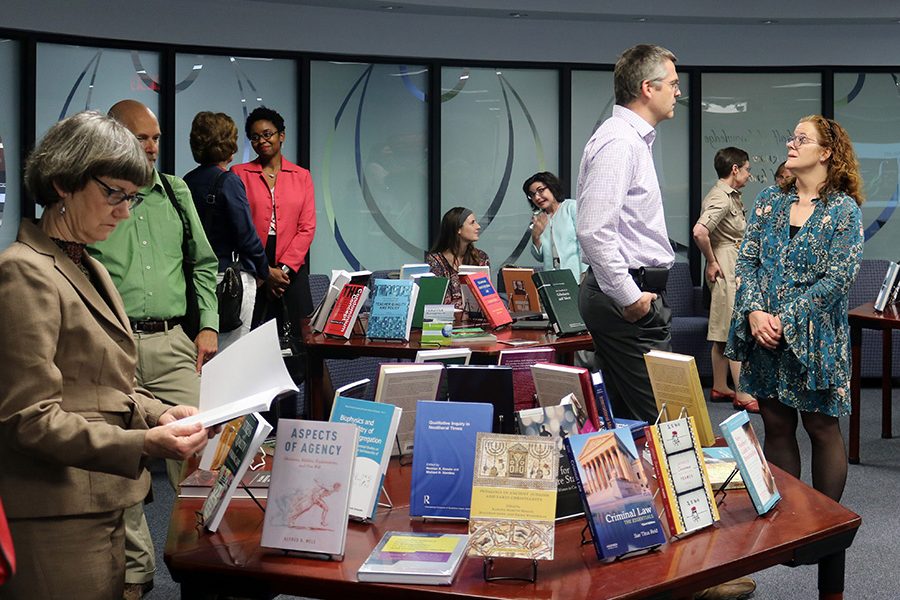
<point>286,270</point>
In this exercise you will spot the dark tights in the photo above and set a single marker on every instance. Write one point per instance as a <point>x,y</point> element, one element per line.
<point>829,458</point>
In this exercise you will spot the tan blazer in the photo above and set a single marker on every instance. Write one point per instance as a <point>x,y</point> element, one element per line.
<point>72,425</point>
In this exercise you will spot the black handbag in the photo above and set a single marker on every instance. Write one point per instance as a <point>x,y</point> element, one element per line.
<point>230,293</point>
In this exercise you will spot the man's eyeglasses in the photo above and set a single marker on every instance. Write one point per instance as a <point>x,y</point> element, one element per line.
<point>535,193</point>
<point>799,140</point>
<point>674,84</point>
<point>265,135</point>
<point>114,196</point>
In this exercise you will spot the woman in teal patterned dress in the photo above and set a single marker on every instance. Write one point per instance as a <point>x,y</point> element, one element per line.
<point>798,259</point>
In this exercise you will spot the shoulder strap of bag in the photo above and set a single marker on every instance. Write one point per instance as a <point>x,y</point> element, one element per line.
<point>185,226</point>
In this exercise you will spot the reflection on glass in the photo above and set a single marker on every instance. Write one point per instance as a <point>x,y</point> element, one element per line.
<point>592,102</point>
<point>10,141</point>
<point>498,127</point>
<point>868,106</point>
<point>233,85</point>
<point>369,159</point>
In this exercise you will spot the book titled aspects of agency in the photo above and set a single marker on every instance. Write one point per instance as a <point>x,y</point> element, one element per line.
<point>416,558</point>
<point>309,496</point>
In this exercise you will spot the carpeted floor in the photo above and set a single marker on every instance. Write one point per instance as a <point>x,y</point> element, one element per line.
<point>873,562</point>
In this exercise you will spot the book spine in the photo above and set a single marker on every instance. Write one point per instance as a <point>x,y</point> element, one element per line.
<point>587,390</point>
<point>544,294</point>
<point>601,399</point>
<point>654,444</point>
<point>595,538</point>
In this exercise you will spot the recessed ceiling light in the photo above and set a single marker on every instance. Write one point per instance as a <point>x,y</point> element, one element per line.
<point>641,19</point>
<point>390,7</point>
<point>517,15</point>
<point>769,22</point>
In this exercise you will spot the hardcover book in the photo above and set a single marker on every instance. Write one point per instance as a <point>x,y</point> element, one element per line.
<point>488,299</point>
<point>252,433</point>
<point>403,385</point>
<point>676,386</point>
<point>557,423</point>
<point>445,457</point>
<point>554,382</point>
<point>558,291</point>
<point>308,501</point>
<point>392,309</point>
<point>520,361</point>
<point>751,461</point>
<point>490,384</point>
<point>431,291</point>
<point>720,464</point>
<point>416,558</point>
<point>888,286</point>
<point>605,411</point>
<point>681,474</point>
<point>408,270</point>
<point>377,425</point>
<point>339,278</point>
<point>470,304</point>
<point>520,290</point>
<point>617,499</point>
<point>513,497</point>
<point>346,310</point>
<point>445,356</point>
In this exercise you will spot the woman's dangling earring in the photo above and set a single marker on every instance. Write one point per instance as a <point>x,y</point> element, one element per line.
<point>62,209</point>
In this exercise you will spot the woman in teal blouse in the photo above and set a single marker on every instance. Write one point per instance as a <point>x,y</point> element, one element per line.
<point>797,262</point>
<point>553,240</point>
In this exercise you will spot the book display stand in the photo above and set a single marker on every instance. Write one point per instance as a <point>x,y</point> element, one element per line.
<point>405,459</point>
<point>389,504</point>
<point>487,570</point>
<point>721,490</point>
<point>587,538</point>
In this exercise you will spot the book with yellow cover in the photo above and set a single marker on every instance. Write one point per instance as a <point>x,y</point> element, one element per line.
<point>513,496</point>
<point>676,385</point>
<point>681,474</point>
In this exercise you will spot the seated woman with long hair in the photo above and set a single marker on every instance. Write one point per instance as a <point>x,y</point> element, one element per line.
<point>455,246</point>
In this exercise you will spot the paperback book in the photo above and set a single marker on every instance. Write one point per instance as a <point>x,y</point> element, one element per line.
<point>252,433</point>
<point>445,457</point>
<point>392,309</point>
<point>491,384</point>
<point>751,461</point>
<point>377,425</point>
<point>403,385</point>
<point>676,386</point>
<point>558,291</point>
<point>615,491</point>
<point>308,503</point>
<point>687,495</point>
<point>556,423</point>
<point>256,482</point>
<point>415,558</point>
<point>513,497</point>
<point>520,361</point>
<point>345,311</point>
<point>445,356</point>
<point>407,271</point>
<point>339,278</point>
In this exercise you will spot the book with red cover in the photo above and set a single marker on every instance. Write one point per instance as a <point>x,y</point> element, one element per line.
<point>488,299</point>
<point>346,310</point>
<point>523,383</point>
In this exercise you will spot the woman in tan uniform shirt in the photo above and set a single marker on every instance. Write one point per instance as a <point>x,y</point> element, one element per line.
<point>718,234</point>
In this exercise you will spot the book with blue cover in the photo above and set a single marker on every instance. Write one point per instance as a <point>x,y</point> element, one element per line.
<point>392,309</point>
<point>377,425</point>
<point>605,410</point>
<point>615,491</point>
<point>751,462</point>
<point>444,458</point>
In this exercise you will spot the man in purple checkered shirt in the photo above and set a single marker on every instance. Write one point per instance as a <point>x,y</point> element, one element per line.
<point>621,228</point>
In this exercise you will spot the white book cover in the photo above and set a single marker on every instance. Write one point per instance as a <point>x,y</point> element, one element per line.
<point>887,286</point>
<point>417,558</point>
<point>252,433</point>
<point>339,277</point>
<point>309,496</point>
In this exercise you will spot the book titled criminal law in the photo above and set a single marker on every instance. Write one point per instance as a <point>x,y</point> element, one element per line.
<point>676,386</point>
<point>751,461</point>
<point>681,474</point>
<point>558,291</point>
<point>309,497</point>
<point>513,497</point>
<point>419,558</point>
<point>345,311</point>
<point>487,298</point>
<point>252,433</point>
<point>403,385</point>
<point>557,423</point>
<point>445,456</point>
<point>392,309</point>
<point>377,423</point>
<point>520,361</point>
<point>618,502</point>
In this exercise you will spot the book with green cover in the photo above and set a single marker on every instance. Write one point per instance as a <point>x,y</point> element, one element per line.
<point>559,297</point>
<point>431,291</point>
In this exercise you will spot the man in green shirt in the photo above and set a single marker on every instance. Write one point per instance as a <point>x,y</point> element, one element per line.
<point>144,257</point>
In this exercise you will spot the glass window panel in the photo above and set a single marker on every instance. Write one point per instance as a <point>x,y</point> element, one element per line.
<point>498,128</point>
<point>369,148</point>
<point>868,106</point>
<point>592,102</point>
<point>10,143</point>
<point>755,112</point>
<point>235,86</point>
<point>71,79</point>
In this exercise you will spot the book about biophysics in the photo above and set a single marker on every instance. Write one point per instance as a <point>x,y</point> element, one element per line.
<point>307,508</point>
<point>520,361</point>
<point>751,461</point>
<point>252,433</point>
<point>444,459</point>
<point>676,386</point>
<point>392,309</point>
<point>377,424</point>
<point>557,423</point>
<point>488,300</point>
<point>419,558</point>
<point>513,497</point>
<point>681,474</point>
<point>615,491</point>
<point>558,291</point>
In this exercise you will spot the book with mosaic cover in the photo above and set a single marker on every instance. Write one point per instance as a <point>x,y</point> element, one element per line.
<point>392,309</point>
<point>676,385</point>
<point>681,474</point>
<point>513,497</point>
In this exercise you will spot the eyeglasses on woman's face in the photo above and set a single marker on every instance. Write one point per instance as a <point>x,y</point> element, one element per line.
<point>800,140</point>
<point>264,135</point>
<point>115,196</point>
